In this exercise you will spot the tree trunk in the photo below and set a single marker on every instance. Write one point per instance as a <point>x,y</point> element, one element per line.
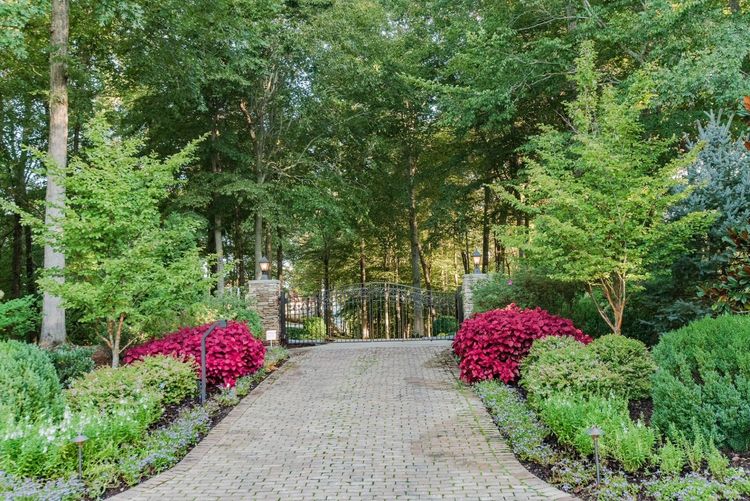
<point>53,314</point>
<point>364,296</point>
<point>219,244</point>
<point>16,257</point>
<point>280,257</point>
<point>416,279</point>
<point>239,250</point>
<point>486,229</point>
<point>30,283</point>
<point>218,240</point>
<point>327,293</point>
<point>258,244</point>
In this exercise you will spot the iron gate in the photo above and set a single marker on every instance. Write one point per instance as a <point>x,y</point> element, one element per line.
<point>368,312</point>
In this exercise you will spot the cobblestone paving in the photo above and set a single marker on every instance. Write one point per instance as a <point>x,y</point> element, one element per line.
<point>383,420</point>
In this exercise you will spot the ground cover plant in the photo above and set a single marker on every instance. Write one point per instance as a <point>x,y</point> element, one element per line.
<point>139,419</point>
<point>567,387</point>
<point>492,344</point>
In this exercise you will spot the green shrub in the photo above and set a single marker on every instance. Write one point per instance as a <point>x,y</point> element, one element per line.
<point>630,359</point>
<point>170,380</point>
<point>71,362</point>
<point>314,327</point>
<point>568,368</point>
<point>546,344</point>
<point>569,418</point>
<point>444,325</point>
<point>228,307</point>
<point>631,444</point>
<point>703,381</point>
<point>44,449</point>
<point>29,383</point>
<point>516,421</point>
<point>19,318</point>
<point>526,289</point>
<point>718,463</point>
<point>671,458</point>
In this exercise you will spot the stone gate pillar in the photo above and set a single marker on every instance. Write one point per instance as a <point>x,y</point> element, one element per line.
<point>467,291</point>
<point>265,294</point>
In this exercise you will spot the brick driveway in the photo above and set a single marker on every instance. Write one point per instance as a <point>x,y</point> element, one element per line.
<point>383,420</point>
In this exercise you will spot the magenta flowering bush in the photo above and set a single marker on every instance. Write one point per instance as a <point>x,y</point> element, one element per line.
<point>492,344</point>
<point>231,353</point>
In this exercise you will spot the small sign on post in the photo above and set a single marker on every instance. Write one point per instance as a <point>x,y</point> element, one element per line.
<point>271,336</point>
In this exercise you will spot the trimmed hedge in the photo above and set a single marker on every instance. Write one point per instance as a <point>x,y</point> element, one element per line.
<point>703,381</point>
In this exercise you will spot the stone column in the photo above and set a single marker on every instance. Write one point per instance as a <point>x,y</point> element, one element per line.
<point>265,295</point>
<point>467,291</point>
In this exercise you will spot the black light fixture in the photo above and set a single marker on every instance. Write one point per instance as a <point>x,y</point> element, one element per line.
<point>221,324</point>
<point>477,257</point>
<point>265,265</point>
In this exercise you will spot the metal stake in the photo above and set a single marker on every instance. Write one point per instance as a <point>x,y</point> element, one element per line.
<point>219,323</point>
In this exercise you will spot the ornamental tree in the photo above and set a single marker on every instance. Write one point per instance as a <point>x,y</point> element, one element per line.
<point>127,266</point>
<point>600,194</point>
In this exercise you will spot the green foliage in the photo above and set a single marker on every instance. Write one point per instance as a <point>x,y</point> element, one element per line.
<point>671,459</point>
<point>128,266</point>
<point>45,449</point>
<point>702,383</point>
<point>30,386</point>
<point>693,487</point>
<point>227,307</point>
<point>71,362</point>
<point>19,318</point>
<point>731,293</point>
<point>569,417</point>
<point>540,347</point>
<point>718,463</point>
<point>630,360</point>
<point>526,288</point>
<point>569,368</point>
<point>274,356</point>
<point>516,421</point>
<point>167,379</point>
<point>604,189</point>
<point>444,325</point>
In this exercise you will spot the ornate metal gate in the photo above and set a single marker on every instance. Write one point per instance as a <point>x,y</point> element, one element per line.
<point>373,311</point>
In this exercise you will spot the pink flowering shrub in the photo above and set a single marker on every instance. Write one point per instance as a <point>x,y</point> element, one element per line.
<point>492,344</point>
<point>230,353</point>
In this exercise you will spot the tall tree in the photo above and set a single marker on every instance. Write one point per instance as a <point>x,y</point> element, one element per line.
<point>53,313</point>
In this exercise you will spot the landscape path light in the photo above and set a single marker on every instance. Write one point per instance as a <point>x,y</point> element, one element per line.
<point>596,433</point>
<point>79,441</point>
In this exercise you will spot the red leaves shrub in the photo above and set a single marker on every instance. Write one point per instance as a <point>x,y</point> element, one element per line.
<point>230,353</point>
<point>492,344</point>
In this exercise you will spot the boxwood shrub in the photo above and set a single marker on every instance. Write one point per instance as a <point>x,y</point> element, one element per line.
<point>29,382</point>
<point>702,384</point>
<point>611,365</point>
